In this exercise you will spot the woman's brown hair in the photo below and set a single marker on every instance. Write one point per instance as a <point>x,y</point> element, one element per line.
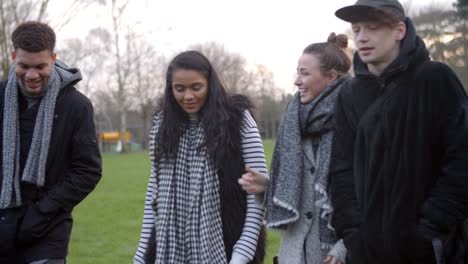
<point>331,54</point>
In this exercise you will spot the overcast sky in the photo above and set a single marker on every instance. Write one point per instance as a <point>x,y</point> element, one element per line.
<point>268,32</point>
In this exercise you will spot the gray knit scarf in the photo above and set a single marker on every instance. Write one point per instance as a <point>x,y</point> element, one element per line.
<point>187,204</point>
<point>287,170</point>
<point>34,170</point>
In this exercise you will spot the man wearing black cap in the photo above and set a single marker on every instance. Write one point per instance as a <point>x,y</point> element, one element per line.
<point>399,173</point>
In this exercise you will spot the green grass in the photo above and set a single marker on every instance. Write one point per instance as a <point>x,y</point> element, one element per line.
<point>107,224</point>
<point>274,238</point>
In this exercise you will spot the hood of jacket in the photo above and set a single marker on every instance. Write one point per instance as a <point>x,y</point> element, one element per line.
<point>68,75</point>
<point>413,51</point>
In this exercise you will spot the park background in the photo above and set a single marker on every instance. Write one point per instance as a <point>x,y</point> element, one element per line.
<point>123,46</point>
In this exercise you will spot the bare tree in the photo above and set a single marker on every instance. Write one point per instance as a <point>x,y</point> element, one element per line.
<point>122,70</point>
<point>445,33</point>
<point>14,12</point>
<point>230,66</point>
<point>148,82</point>
<point>104,112</point>
<point>73,9</point>
<point>90,55</point>
<point>125,61</point>
<point>269,99</point>
<point>433,25</point>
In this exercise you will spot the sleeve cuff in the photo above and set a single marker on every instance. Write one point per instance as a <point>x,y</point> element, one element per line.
<point>260,199</point>
<point>238,259</point>
<point>338,251</point>
<point>47,205</point>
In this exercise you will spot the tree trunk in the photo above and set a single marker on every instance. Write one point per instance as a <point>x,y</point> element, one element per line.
<point>5,64</point>
<point>120,84</point>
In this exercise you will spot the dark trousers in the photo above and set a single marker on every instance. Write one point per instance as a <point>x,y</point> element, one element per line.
<point>49,248</point>
<point>9,221</point>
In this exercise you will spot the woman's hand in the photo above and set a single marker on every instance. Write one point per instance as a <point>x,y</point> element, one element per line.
<point>253,182</point>
<point>332,260</point>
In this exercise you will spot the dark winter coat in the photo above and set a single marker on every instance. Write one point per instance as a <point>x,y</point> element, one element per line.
<point>399,173</point>
<point>41,227</point>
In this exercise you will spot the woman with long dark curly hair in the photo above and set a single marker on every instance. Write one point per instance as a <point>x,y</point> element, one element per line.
<point>200,142</point>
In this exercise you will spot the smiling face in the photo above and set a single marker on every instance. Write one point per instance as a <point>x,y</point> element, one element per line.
<point>33,69</point>
<point>378,44</point>
<point>310,80</point>
<point>190,89</point>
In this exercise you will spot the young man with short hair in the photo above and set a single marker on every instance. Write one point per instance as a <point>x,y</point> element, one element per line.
<point>399,173</point>
<point>50,157</point>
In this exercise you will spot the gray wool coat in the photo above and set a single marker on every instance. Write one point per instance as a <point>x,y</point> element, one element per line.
<point>300,243</point>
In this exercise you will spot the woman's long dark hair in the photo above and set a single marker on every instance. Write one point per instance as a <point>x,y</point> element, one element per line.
<point>221,117</point>
<point>215,115</point>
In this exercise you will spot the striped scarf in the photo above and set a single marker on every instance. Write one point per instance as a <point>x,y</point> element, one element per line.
<point>34,170</point>
<point>187,204</point>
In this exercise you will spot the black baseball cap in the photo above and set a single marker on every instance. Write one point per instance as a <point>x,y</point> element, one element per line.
<point>362,8</point>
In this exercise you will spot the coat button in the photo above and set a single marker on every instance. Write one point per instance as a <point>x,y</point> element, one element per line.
<point>309,215</point>
<point>312,170</point>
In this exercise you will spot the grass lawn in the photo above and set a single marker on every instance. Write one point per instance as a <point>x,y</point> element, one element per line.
<point>107,224</point>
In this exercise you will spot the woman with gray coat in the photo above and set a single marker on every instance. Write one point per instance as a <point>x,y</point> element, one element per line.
<point>296,194</point>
